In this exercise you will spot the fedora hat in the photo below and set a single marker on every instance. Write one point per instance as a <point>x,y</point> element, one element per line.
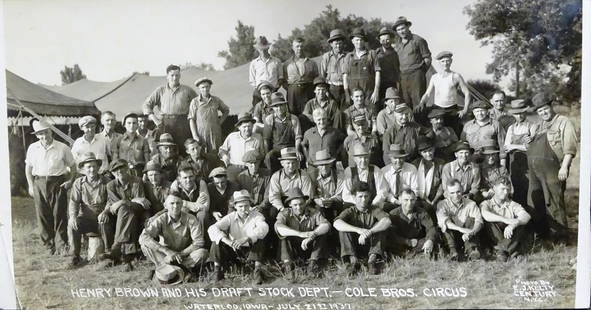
<point>463,145</point>
<point>218,171</point>
<point>540,100</point>
<point>245,117</point>
<point>261,41</point>
<point>401,108</point>
<point>397,151</point>
<point>424,144</point>
<point>288,153</point>
<point>489,149</point>
<point>518,106</point>
<point>39,126</point>
<point>320,81</point>
<point>401,20</point>
<point>385,30</point>
<point>358,32</point>
<point>436,113</point>
<point>252,156</point>
<point>360,150</point>
<point>295,193</point>
<point>166,139</point>
<point>480,105</point>
<point>85,120</point>
<point>203,80</point>
<point>392,93</point>
<point>152,166</point>
<point>336,34</point>
<point>88,157</point>
<point>277,98</point>
<point>241,195</point>
<point>118,164</point>
<point>323,158</point>
<point>443,55</point>
<point>168,274</point>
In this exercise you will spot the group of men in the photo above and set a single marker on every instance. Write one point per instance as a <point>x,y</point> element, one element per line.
<point>355,155</point>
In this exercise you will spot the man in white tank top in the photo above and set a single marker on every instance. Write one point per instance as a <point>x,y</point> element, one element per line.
<point>445,84</point>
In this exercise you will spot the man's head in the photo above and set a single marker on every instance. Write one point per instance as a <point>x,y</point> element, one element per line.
<point>436,118</point>
<point>130,123</point>
<point>397,155</point>
<point>407,199</point>
<point>296,200</point>
<point>358,38</point>
<point>542,104</point>
<point>89,164</point>
<point>297,46</point>
<point>358,97</point>
<point>265,90</point>
<point>454,191</point>
<point>142,121</point>
<point>386,40</point>
<point>546,113</point>
<point>186,177</point>
<point>402,114</point>
<point>219,178</point>
<point>324,162</point>
<point>498,100</point>
<point>173,75</point>
<point>120,170</point>
<point>194,148</point>
<point>261,44</point>
<point>445,59</point>
<point>289,160</point>
<point>502,188</point>
<point>279,104</point>
<point>204,86</point>
<point>337,40</point>
<point>392,98</point>
<point>320,118</point>
<point>462,152</point>
<point>108,120</point>
<point>88,125</point>
<point>480,111</point>
<point>174,205</point>
<point>242,203</point>
<point>360,125</point>
<point>361,156</point>
<point>245,124</point>
<point>252,160</point>
<point>427,150</point>
<point>166,146</point>
<point>402,27</point>
<point>153,173</point>
<point>362,195</point>
<point>492,160</point>
<point>321,91</point>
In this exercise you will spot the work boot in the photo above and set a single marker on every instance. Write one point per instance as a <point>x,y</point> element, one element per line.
<point>258,276</point>
<point>372,264</point>
<point>76,262</point>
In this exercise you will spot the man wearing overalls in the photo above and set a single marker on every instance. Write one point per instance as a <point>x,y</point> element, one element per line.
<point>361,68</point>
<point>549,156</point>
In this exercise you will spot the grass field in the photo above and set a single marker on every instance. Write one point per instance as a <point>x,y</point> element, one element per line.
<point>43,282</point>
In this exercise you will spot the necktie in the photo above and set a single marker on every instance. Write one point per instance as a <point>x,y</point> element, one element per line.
<point>398,182</point>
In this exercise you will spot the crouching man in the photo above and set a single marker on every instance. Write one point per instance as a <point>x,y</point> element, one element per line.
<point>413,231</point>
<point>181,238</point>
<point>302,232</point>
<point>367,221</point>
<point>460,221</point>
<point>239,235</point>
<point>504,220</point>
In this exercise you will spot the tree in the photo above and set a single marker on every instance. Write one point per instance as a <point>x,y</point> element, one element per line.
<point>71,75</point>
<point>240,49</point>
<point>202,66</point>
<point>537,39</point>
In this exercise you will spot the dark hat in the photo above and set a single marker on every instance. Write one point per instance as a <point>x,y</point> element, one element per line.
<point>480,105</point>
<point>252,156</point>
<point>320,81</point>
<point>39,126</point>
<point>117,164</point>
<point>397,151</point>
<point>540,100</point>
<point>88,157</point>
<point>152,166</point>
<point>166,139</point>
<point>518,106</point>
<point>295,193</point>
<point>360,150</point>
<point>288,153</point>
<point>392,93</point>
<point>443,54</point>
<point>202,80</point>
<point>85,120</point>
<point>277,99</point>
<point>218,171</point>
<point>401,20</point>
<point>323,158</point>
<point>358,32</point>
<point>436,113</point>
<point>245,117</point>
<point>128,115</point>
<point>385,30</point>
<point>489,149</point>
<point>425,144</point>
<point>336,34</point>
<point>462,145</point>
<point>264,84</point>
<point>401,108</point>
<point>261,41</point>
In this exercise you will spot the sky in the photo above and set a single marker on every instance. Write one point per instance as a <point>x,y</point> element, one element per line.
<point>111,39</point>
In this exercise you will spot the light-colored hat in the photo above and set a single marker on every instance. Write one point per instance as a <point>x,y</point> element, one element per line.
<point>323,158</point>
<point>169,274</point>
<point>288,153</point>
<point>85,120</point>
<point>39,126</point>
<point>518,106</point>
<point>88,157</point>
<point>218,171</point>
<point>241,195</point>
<point>166,139</point>
<point>392,93</point>
<point>443,55</point>
<point>360,150</point>
<point>202,80</point>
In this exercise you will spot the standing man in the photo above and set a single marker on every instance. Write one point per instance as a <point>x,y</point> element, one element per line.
<point>549,156</point>
<point>331,66</point>
<point>323,101</point>
<point>361,68</point>
<point>146,133</point>
<point>204,120</point>
<point>48,165</point>
<point>131,146</point>
<point>282,129</point>
<point>264,68</point>
<point>91,142</point>
<point>173,101</point>
<point>263,108</point>
<point>415,61</point>
<point>389,64</point>
<point>300,71</point>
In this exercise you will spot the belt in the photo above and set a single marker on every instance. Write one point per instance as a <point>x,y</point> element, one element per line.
<point>336,83</point>
<point>300,84</point>
<point>172,115</point>
<point>49,177</point>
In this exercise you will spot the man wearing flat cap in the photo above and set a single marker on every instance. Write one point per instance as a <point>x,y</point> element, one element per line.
<point>399,175</point>
<point>483,130</point>
<point>220,191</point>
<point>415,60</point>
<point>302,232</point>
<point>282,129</point>
<point>126,205</point>
<point>405,132</point>
<point>361,68</point>
<point>463,170</point>
<point>131,146</point>
<point>204,119</point>
<point>264,68</point>
<point>387,117</point>
<point>444,137</point>
<point>172,102</point>
<point>549,156</point>
<point>363,171</point>
<point>48,165</point>
<point>91,142</point>
<point>299,72</point>
<point>87,206</point>
<point>444,85</point>
<point>323,101</point>
<point>156,187</point>
<point>389,64</point>
<point>331,66</point>
<point>167,156</point>
<point>238,143</point>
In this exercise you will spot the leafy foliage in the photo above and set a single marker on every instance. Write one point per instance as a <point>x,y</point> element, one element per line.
<point>240,49</point>
<point>71,74</point>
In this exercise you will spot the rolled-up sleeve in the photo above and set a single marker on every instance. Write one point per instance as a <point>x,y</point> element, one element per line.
<point>569,138</point>
<point>218,230</point>
<point>152,101</point>
<point>151,233</point>
<point>197,233</point>
<point>442,215</point>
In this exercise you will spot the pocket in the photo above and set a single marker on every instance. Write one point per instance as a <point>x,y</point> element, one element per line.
<point>553,137</point>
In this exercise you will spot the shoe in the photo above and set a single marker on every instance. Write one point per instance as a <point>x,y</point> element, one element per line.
<point>290,271</point>
<point>112,255</point>
<point>258,276</point>
<point>501,256</point>
<point>218,273</point>
<point>454,256</point>
<point>373,268</point>
<point>76,262</point>
<point>474,255</point>
<point>314,268</point>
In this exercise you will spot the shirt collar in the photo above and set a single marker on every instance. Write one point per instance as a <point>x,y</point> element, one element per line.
<point>459,167</point>
<point>360,54</point>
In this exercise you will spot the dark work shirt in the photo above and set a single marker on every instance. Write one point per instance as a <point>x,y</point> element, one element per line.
<point>169,166</point>
<point>331,140</point>
<point>219,202</point>
<point>367,219</point>
<point>117,191</point>
<point>412,54</point>
<point>419,226</point>
<point>407,136</point>
<point>257,186</point>
<point>388,59</point>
